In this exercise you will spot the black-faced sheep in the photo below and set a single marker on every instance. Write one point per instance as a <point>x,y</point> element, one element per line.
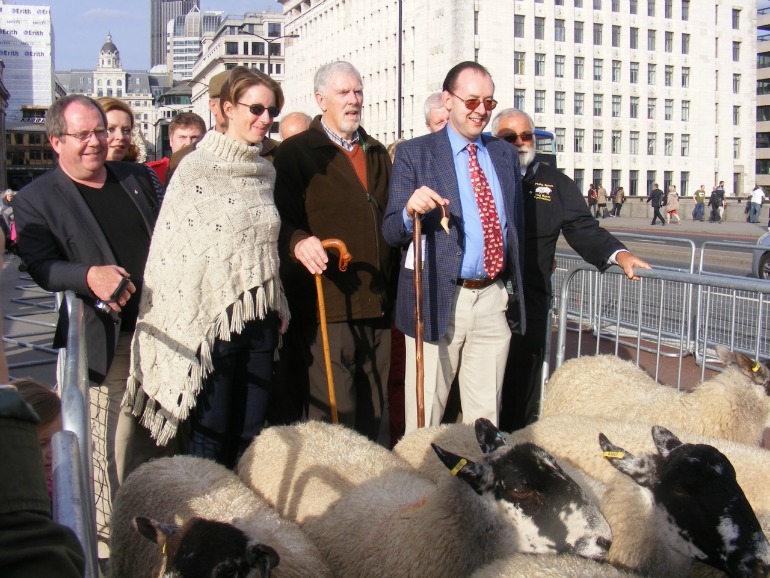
<point>511,500</point>
<point>197,511</point>
<point>638,542</point>
<point>732,405</point>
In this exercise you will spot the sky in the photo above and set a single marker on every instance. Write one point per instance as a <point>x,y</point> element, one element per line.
<point>81,27</point>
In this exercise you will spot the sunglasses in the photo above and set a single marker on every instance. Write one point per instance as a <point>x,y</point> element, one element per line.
<point>258,109</point>
<point>473,103</point>
<point>512,137</point>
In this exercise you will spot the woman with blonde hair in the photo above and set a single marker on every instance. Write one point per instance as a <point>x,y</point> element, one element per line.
<point>120,128</point>
<point>672,206</point>
<point>213,304</point>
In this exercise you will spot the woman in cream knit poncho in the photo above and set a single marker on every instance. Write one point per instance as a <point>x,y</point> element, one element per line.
<point>213,303</point>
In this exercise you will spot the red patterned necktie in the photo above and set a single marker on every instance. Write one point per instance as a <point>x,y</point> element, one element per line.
<point>490,222</point>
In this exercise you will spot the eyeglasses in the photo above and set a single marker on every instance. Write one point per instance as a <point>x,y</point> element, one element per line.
<point>473,103</point>
<point>123,131</point>
<point>512,137</point>
<point>84,136</point>
<point>258,109</point>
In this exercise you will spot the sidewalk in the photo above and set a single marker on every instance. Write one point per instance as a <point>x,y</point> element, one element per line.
<point>737,230</point>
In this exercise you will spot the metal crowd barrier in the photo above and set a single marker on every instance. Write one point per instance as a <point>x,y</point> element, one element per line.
<point>72,466</point>
<point>668,313</point>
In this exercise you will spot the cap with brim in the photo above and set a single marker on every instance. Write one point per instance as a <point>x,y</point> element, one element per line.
<point>216,83</point>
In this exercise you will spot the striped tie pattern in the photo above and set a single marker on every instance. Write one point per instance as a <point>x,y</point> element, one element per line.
<point>490,222</point>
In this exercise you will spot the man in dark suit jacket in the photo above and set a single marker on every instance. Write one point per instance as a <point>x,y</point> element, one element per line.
<point>464,303</point>
<point>553,205</point>
<point>85,226</point>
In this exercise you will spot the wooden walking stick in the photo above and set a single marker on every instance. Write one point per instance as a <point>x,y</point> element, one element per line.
<point>345,258</point>
<point>418,326</point>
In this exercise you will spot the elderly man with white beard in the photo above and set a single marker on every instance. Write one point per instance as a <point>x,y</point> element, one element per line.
<point>553,204</point>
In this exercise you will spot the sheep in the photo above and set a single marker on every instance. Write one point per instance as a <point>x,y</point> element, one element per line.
<point>549,566</point>
<point>398,522</point>
<point>200,512</point>
<point>572,440</point>
<point>732,405</point>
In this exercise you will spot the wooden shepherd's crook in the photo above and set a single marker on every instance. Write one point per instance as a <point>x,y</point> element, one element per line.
<point>418,328</point>
<point>345,258</point>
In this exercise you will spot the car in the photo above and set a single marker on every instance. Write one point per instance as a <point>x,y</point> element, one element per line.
<point>761,262</point>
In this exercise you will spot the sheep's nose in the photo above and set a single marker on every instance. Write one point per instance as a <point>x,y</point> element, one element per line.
<point>604,543</point>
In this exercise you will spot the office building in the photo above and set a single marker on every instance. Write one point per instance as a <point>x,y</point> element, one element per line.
<point>635,91</point>
<point>184,38</point>
<point>161,11</point>
<point>763,98</point>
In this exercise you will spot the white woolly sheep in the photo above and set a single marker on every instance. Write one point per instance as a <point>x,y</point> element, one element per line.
<point>518,500</point>
<point>637,542</point>
<point>731,405</point>
<point>549,566</point>
<point>196,494</point>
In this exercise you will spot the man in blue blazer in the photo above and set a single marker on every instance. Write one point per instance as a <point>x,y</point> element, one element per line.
<point>464,306</point>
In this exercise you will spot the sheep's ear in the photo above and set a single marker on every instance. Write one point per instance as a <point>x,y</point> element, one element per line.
<point>756,371</point>
<point>227,568</point>
<point>262,557</point>
<point>153,530</point>
<point>468,471</point>
<point>642,469</point>
<point>489,437</point>
<point>665,441</point>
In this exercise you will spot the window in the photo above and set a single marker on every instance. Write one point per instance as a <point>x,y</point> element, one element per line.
<point>685,110</point>
<point>616,36</point>
<point>685,44</point>
<point>685,16</point>
<point>598,176</point>
<point>578,3</point>
<point>539,28</point>
<point>634,38</point>
<point>518,98</point>
<point>578,32</point>
<point>763,86</point>
<point>274,49</point>
<point>685,77</point>
<point>668,110</point>
<point>634,108</point>
<point>684,183</point>
<point>668,8</point>
<point>273,29</point>
<point>598,100</point>
<point>633,142</point>
<point>650,40</point>
<point>668,144</point>
<point>633,7</point>
<point>668,78</point>
<point>633,180</point>
<point>736,83</point>
<point>651,138</point>
<point>685,148</point>
<point>616,142</point>
<point>651,179</point>
<point>616,5</point>
<point>558,3</point>
<point>651,8</point>
<point>559,31</point>
<point>668,179</point>
<point>579,178</point>
<point>616,71</point>
<point>559,137</point>
<point>559,65</point>
<point>652,104</point>
<point>668,41</point>
<point>518,62</point>
<point>651,68</point>
<point>736,18</point>
<point>231,48</point>
<point>763,60</point>
<point>598,65</point>
<point>597,34</point>
<point>539,64</point>
<point>736,148</point>
<point>597,4</point>
<point>736,115</point>
<point>540,101</point>
<point>258,48</point>
<point>634,73</point>
<point>579,60</point>
<point>579,103</point>
<point>616,104</point>
<point>518,26</point>
<point>736,51</point>
<point>558,103</point>
<point>579,136</point>
<point>598,140</point>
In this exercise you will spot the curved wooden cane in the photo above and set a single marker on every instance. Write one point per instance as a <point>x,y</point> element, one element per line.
<point>344,260</point>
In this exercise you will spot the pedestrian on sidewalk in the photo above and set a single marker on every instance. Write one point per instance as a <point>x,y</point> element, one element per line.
<point>673,205</point>
<point>601,200</point>
<point>656,198</point>
<point>756,198</point>
<point>716,202</point>
<point>592,196</point>
<point>617,201</point>
<point>700,204</point>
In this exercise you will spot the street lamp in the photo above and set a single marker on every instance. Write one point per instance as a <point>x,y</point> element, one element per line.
<point>268,41</point>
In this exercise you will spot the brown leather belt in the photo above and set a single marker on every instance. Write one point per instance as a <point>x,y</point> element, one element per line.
<point>475,283</point>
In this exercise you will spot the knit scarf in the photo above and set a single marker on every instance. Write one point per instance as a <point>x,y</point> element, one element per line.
<point>212,266</point>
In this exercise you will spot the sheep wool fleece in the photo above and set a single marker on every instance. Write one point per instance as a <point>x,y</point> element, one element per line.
<point>212,266</point>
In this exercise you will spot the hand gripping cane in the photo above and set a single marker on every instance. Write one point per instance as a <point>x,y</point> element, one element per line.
<point>345,258</point>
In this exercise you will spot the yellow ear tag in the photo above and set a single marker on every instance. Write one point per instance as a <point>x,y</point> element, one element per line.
<point>618,455</point>
<point>755,368</point>
<point>163,550</point>
<point>460,465</point>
